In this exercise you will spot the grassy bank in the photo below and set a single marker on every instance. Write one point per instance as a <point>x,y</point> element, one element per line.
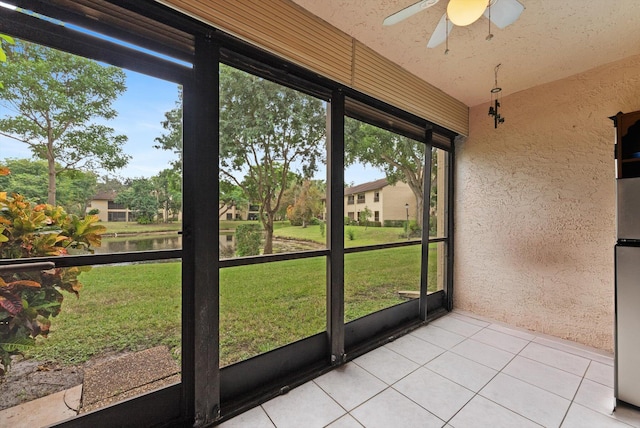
<point>264,306</point>
<point>121,227</point>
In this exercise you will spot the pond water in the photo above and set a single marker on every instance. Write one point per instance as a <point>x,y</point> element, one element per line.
<point>227,244</point>
<point>140,243</point>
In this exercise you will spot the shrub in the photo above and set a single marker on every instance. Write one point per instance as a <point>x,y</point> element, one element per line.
<point>144,219</point>
<point>395,223</point>
<point>322,228</point>
<point>351,234</point>
<point>293,217</point>
<point>414,229</point>
<point>248,240</point>
<point>29,299</point>
<point>350,221</point>
<point>93,211</point>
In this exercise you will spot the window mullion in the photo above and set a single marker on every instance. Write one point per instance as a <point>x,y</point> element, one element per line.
<point>335,212</point>
<point>426,214</point>
<point>201,306</point>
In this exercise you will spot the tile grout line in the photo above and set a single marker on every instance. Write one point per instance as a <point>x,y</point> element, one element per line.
<point>476,394</point>
<point>268,416</point>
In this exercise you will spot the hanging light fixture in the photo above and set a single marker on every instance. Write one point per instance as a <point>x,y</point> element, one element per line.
<point>495,103</point>
<point>465,12</point>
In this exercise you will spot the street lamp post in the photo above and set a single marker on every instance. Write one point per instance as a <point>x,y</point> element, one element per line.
<point>406,206</point>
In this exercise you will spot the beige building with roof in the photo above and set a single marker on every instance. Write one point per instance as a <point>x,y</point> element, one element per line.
<point>386,201</point>
<point>108,209</point>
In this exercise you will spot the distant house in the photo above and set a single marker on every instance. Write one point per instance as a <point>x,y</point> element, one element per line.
<point>108,210</point>
<point>229,212</point>
<point>385,201</point>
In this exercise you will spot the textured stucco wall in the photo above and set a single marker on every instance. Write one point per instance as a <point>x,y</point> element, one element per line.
<point>535,205</point>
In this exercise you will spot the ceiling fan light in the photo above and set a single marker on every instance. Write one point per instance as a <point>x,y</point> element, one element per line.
<point>465,12</point>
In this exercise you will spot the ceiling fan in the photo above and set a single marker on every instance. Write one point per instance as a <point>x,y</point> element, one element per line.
<point>461,13</point>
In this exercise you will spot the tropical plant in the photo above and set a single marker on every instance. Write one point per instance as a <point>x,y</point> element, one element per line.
<point>30,298</point>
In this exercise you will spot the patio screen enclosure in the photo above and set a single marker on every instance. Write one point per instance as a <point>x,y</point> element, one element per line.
<point>154,40</point>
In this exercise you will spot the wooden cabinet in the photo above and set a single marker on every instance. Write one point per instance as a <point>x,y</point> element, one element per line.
<point>627,144</point>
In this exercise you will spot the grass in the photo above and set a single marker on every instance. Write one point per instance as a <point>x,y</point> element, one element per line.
<point>283,229</point>
<point>122,227</point>
<point>362,235</point>
<point>264,306</point>
<point>126,307</point>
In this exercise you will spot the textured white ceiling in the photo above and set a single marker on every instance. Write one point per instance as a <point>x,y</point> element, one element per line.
<point>551,40</point>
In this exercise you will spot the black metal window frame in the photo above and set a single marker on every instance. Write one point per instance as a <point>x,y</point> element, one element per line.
<point>207,393</point>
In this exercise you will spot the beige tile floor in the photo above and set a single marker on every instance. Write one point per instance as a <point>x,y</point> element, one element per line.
<point>459,371</point>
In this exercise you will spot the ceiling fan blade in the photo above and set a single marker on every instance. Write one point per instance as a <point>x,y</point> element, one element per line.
<point>441,32</point>
<point>408,11</point>
<point>504,12</point>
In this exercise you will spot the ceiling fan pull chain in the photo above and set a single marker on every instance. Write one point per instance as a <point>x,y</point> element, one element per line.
<point>446,30</point>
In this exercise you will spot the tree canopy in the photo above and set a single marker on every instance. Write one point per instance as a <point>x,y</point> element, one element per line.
<point>55,103</point>
<point>172,140</point>
<point>401,158</point>
<point>29,178</point>
<point>307,202</point>
<point>267,131</point>
<point>141,198</point>
<point>168,190</point>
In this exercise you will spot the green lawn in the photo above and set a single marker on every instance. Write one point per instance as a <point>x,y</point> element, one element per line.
<point>362,235</point>
<point>126,307</point>
<point>264,306</point>
<point>133,227</point>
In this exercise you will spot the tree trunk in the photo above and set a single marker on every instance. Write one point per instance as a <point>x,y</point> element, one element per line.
<point>419,210</point>
<point>51,188</point>
<point>268,239</point>
<point>417,192</point>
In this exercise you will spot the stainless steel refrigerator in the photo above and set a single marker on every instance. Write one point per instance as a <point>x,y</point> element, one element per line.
<point>627,355</point>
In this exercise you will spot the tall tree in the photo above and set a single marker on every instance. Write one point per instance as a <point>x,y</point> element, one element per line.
<point>29,178</point>
<point>53,100</point>
<point>141,198</point>
<point>168,191</point>
<point>110,184</point>
<point>267,131</point>
<point>307,203</point>
<point>401,158</point>
<point>172,140</point>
